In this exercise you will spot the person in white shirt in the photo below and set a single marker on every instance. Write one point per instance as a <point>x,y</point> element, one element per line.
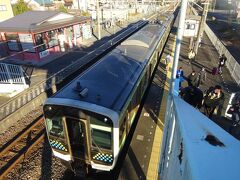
<point>168,60</point>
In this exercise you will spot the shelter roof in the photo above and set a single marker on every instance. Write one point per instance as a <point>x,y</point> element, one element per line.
<point>38,21</point>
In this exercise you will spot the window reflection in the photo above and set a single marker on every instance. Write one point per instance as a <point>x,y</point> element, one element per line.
<point>52,39</point>
<point>39,42</point>
<point>13,42</point>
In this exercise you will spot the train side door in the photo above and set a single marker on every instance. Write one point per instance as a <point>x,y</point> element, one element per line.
<point>78,138</point>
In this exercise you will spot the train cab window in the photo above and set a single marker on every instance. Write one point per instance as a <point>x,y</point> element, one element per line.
<point>56,128</point>
<point>54,121</point>
<point>101,139</point>
<point>101,131</point>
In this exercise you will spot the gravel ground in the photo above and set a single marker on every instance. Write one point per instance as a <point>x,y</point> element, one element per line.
<point>39,165</point>
<point>19,126</point>
<point>42,165</point>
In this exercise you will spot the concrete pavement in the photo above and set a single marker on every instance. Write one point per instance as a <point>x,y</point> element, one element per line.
<point>143,156</point>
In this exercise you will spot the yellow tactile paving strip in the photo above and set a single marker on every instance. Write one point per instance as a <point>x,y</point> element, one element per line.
<point>152,172</point>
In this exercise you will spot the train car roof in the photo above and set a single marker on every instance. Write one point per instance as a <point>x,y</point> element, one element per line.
<point>109,82</point>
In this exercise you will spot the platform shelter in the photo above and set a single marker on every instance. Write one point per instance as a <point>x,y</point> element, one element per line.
<point>36,35</point>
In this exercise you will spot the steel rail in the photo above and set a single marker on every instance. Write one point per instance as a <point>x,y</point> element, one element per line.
<point>19,148</point>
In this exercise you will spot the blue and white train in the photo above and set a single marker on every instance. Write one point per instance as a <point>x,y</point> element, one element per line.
<point>89,119</point>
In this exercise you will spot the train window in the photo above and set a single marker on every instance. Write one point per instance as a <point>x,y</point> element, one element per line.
<point>132,109</point>
<point>55,126</point>
<point>138,94</point>
<point>101,139</point>
<point>122,129</point>
<point>101,131</point>
<point>155,57</point>
<point>100,120</point>
<point>145,79</point>
<point>54,121</point>
<point>141,90</point>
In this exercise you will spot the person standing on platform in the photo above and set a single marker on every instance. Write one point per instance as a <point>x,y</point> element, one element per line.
<point>192,95</point>
<point>191,56</point>
<point>168,60</point>
<point>221,63</point>
<point>180,76</point>
<point>202,76</point>
<point>234,110</point>
<point>200,41</point>
<point>213,99</point>
<point>192,79</point>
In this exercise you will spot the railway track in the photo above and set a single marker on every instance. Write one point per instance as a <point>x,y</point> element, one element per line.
<point>16,150</point>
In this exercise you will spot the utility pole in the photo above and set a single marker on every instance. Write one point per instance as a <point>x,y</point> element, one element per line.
<point>229,12</point>
<point>201,26</point>
<point>98,21</point>
<point>113,19</point>
<point>213,5</point>
<point>43,3</point>
<point>136,2</point>
<point>78,4</point>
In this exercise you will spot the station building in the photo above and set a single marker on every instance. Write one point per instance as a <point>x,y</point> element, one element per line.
<point>36,35</point>
<point>6,11</point>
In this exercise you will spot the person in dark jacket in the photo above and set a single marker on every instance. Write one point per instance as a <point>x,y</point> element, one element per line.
<point>192,79</point>
<point>192,95</point>
<point>221,63</point>
<point>234,110</point>
<point>202,76</point>
<point>213,99</point>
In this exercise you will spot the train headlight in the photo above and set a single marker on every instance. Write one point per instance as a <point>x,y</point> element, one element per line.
<point>105,119</point>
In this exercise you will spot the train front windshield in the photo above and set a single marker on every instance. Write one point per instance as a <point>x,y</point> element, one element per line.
<point>85,134</point>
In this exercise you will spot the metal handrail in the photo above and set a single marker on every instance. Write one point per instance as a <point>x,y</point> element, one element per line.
<point>232,64</point>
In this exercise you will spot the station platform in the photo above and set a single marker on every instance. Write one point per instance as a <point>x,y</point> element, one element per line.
<point>143,156</point>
